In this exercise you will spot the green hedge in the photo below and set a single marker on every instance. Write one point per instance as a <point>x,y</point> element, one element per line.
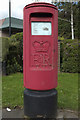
<point>5,47</point>
<point>13,53</point>
<point>5,51</point>
<point>69,56</point>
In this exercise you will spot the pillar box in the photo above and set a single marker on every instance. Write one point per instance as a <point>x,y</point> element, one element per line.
<point>40,59</point>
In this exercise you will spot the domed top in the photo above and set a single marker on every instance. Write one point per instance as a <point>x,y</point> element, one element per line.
<point>41,4</point>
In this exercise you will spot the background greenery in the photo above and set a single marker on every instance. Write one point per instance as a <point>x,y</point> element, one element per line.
<point>69,56</point>
<point>12,50</point>
<point>13,54</point>
<point>64,21</point>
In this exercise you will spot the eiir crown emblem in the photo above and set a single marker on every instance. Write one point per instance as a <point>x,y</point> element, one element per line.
<point>41,46</point>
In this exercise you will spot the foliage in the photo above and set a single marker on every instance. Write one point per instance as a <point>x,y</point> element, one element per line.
<point>12,90</point>
<point>13,54</point>
<point>60,38</point>
<point>17,42</point>
<point>64,18</point>
<point>69,56</point>
<point>5,47</point>
<point>13,57</point>
<point>13,66</point>
<point>64,29</point>
<point>78,22</point>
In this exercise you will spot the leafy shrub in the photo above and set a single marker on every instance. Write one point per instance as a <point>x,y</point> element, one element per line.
<point>69,55</point>
<point>64,29</point>
<point>13,54</point>
<point>12,66</point>
<point>5,47</point>
<point>60,38</point>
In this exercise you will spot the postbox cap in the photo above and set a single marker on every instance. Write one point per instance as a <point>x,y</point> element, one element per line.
<point>41,4</point>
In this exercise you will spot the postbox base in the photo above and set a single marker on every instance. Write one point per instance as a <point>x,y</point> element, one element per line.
<point>40,103</point>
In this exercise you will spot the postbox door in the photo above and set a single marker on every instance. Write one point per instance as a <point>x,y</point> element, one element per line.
<point>40,51</point>
<point>41,44</point>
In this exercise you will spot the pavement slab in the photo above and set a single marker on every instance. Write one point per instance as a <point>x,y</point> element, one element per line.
<point>15,113</point>
<point>0,114</point>
<point>19,113</point>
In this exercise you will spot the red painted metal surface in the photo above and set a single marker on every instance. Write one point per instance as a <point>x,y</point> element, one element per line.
<point>40,52</point>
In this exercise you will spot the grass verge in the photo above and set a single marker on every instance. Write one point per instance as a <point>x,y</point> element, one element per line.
<point>68,90</point>
<point>12,91</point>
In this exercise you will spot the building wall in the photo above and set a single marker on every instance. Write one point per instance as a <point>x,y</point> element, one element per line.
<point>5,34</point>
<point>0,33</point>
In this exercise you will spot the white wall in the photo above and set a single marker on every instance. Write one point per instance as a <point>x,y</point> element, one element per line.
<point>4,34</point>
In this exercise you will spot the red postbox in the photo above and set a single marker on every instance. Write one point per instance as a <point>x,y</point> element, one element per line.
<point>40,47</point>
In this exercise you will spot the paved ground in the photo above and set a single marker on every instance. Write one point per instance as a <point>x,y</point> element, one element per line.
<point>19,113</point>
<point>0,114</point>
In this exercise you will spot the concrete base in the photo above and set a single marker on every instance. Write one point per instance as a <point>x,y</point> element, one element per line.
<point>39,104</point>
